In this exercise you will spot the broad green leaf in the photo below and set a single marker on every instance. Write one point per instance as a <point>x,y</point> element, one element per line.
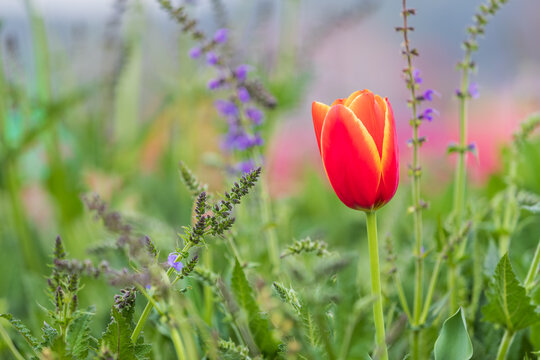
<point>508,302</point>
<point>49,335</point>
<point>23,331</point>
<point>78,337</point>
<point>258,322</point>
<point>454,342</point>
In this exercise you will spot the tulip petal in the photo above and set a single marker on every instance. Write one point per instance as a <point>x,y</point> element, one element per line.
<point>338,102</point>
<point>350,158</point>
<point>368,111</point>
<point>318,112</point>
<point>353,97</point>
<point>390,156</point>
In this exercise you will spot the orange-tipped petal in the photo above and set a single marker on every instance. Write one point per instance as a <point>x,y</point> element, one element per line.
<point>367,110</point>
<point>318,112</point>
<point>350,158</point>
<point>390,157</point>
<point>353,97</point>
<point>338,102</point>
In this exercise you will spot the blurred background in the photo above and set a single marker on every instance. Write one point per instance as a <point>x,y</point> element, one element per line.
<point>102,96</point>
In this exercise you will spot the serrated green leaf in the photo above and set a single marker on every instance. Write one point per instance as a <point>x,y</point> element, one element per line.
<point>535,209</point>
<point>23,331</point>
<point>78,338</point>
<point>508,302</point>
<point>117,336</point>
<point>454,342</point>
<point>257,320</point>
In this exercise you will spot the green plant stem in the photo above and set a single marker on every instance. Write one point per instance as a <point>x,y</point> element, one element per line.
<point>16,354</point>
<point>452,279</point>
<point>533,269</point>
<point>401,296</point>
<point>505,345</point>
<point>431,288</point>
<point>415,344</point>
<point>178,345</point>
<point>149,306</point>
<point>504,238</point>
<point>371,223</point>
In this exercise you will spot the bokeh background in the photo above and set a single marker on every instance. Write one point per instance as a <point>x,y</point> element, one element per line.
<point>101,96</point>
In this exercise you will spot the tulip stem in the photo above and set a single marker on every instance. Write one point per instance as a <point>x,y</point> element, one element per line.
<point>371,223</point>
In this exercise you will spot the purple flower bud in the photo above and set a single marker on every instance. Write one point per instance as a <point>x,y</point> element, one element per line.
<point>257,140</point>
<point>212,58</point>
<point>416,76</point>
<point>428,114</point>
<point>254,115</point>
<point>221,36</point>
<point>215,84</point>
<point>473,90</point>
<point>243,94</point>
<point>226,108</point>
<point>241,72</point>
<point>428,94</point>
<point>471,147</point>
<point>195,52</point>
<point>177,265</point>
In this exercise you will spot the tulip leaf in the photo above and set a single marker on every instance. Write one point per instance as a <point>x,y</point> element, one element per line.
<point>508,302</point>
<point>454,342</point>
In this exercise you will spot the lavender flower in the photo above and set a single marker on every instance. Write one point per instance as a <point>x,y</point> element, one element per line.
<point>238,139</point>
<point>195,52</point>
<point>241,72</point>
<point>215,84</point>
<point>428,94</point>
<point>177,265</point>
<point>243,94</point>
<point>254,115</point>
<point>416,76</point>
<point>246,166</point>
<point>471,147</point>
<point>226,108</point>
<point>212,58</point>
<point>428,114</point>
<point>221,36</point>
<point>473,90</point>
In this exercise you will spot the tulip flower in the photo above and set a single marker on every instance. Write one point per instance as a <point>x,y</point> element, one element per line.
<point>358,146</point>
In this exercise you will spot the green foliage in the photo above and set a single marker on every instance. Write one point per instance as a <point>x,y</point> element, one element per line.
<point>258,322</point>
<point>23,331</point>
<point>79,339</point>
<point>454,342</point>
<point>508,303</point>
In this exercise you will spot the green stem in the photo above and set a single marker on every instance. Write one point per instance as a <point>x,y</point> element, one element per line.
<point>178,345</point>
<point>149,306</point>
<point>415,344</point>
<point>509,210</point>
<point>401,296</point>
<point>505,345</point>
<point>431,289</point>
<point>533,269</point>
<point>16,354</point>
<point>452,276</point>
<point>378,315</point>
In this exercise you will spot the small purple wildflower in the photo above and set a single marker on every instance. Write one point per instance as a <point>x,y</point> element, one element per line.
<point>212,58</point>
<point>471,147</point>
<point>241,72</point>
<point>473,90</point>
<point>215,84</point>
<point>257,140</point>
<point>428,114</point>
<point>254,115</point>
<point>177,265</point>
<point>221,35</point>
<point>428,94</point>
<point>226,108</point>
<point>243,94</point>
<point>195,52</point>
<point>239,140</point>
<point>416,76</point>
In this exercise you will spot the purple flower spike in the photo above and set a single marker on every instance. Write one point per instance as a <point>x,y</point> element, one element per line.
<point>416,76</point>
<point>254,115</point>
<point>241,72</point>
<point>221,36</point>
<point>212,58</point>
<point>226,108</point>
<point>429,113</point>
<point>243,94</point>
<point>428,94</point>
<point>473,90</point>
<point>257,140</point>
<point>177,265</point>
<point>195,52</point>
<point>215,84</point>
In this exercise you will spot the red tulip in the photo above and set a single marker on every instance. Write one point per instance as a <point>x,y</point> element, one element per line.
<point>358,145</point>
